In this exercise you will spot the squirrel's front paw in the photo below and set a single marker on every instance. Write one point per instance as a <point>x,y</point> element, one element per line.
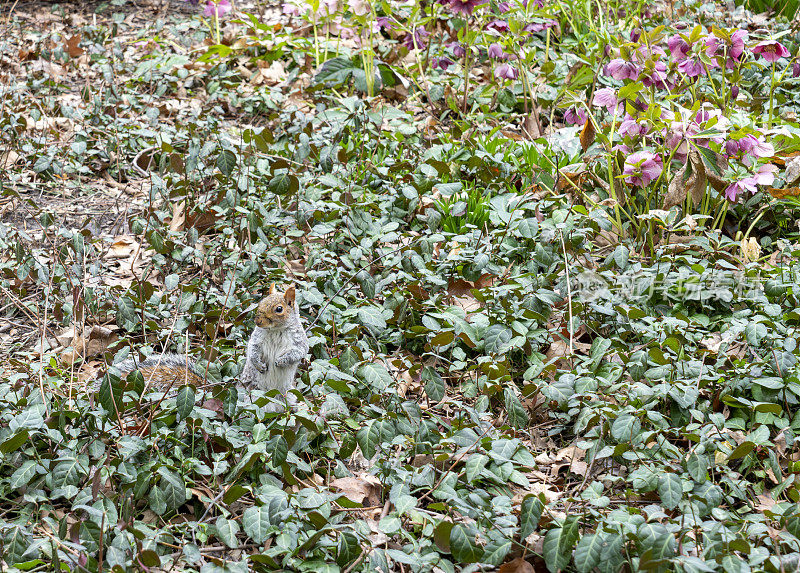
<point>260,364</point>
<point>284,361</point>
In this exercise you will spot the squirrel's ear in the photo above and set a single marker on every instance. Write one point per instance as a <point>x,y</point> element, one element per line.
<point>271,288</point>
<point>288,296</point>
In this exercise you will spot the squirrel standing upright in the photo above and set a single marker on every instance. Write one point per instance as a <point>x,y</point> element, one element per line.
<point>276,347</point>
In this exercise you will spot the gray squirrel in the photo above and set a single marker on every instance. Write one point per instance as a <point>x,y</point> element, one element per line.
<point>274,351</point>
<point>278,344</point>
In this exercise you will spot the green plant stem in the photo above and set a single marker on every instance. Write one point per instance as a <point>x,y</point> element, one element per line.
<point>771,96</point>
<point>466,66</point>
<point>316,40</point>
<point>720,218</point>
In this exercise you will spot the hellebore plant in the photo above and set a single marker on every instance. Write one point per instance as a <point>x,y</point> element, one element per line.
<point>772,51</point>
<point>670,97</point>
<point>216,9</point>
<point>364,16</point>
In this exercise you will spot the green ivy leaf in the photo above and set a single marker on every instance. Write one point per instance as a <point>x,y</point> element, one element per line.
<point>23,475</point>
<point>496,551</point>
<point>372,318</point>
<point>226,162</point>
<point>558,544</point>
<point>517,416</point>
<point>792,520</point>
<point>185,401</point>
<point>529,514</point>
<point>14,442</point>
<point>368,438</point>
<point>625,428</point>
<point>670,490</point>
<point>157,501</point>
<point>278,449</point>
<point>474,466</point>
<point>256,523</point>
<point>347,549</point>
<point>588,552</point>
<point>173,487</point>
<point>463,546</point>
<point>496,338</point>
<point>528,228</point>
<point>656,538</point>
<point>226,531</point>
<point>697,465</point>
<point>434,384</point>
<point>376,376</point>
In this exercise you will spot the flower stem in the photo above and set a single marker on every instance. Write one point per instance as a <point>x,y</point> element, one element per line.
<point>771,96</point>
<point>466,66</point>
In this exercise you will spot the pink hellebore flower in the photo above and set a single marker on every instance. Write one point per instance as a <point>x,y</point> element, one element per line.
<point>497,27</point>
<point>642,167</point>
<point>692,67</point>
<point>458,50</point>
<point>506,71</point>
<point>607,98</point>
<point>575,116</point>
<point>764,176</point>
<point>678,138</point>
<point>620,69</point>
<point>359,7</point>
<point>291,9</point>
<point>544,24</point>
<point>771,50</point>
<point>678,47</point>
<point>656,76</point>
<point>749,148</point>
<point>465,7</point>
<point>418,40</point>
<point>717,48</point>
<point>496,52</point>
<point>217,9</point>
<point>444,62</point>
<point>632,128</point>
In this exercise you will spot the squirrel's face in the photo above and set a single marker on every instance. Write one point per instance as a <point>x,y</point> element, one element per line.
<point>275,309</point>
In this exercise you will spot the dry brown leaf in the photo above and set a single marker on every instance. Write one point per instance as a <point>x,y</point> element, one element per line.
<point>558,349</point>
<point>295,268</point>
<point>87,344</point>
<point>765,502</point>
<point>460,292</point>
<point>518,565</point>
<point>9,158</point>
<point>550,493</point>
<point>716,181</point>
<point>571,180</point>
<point>587,135</point>
<point>361,489</point>
<point>73,49</point>
<point>712,343</point>
<point>90,371</point>
<point>750,249</point>
<point>685,184</point>
<point>459,287</point>
<point>122,248</point>
<point>530,126</point>
<point>786,192</point>
<point>792,173</point>
<point>178,216</point>
<point>272,74</point>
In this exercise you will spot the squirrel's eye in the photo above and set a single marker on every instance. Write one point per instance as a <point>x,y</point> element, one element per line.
<point>279,309</point>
